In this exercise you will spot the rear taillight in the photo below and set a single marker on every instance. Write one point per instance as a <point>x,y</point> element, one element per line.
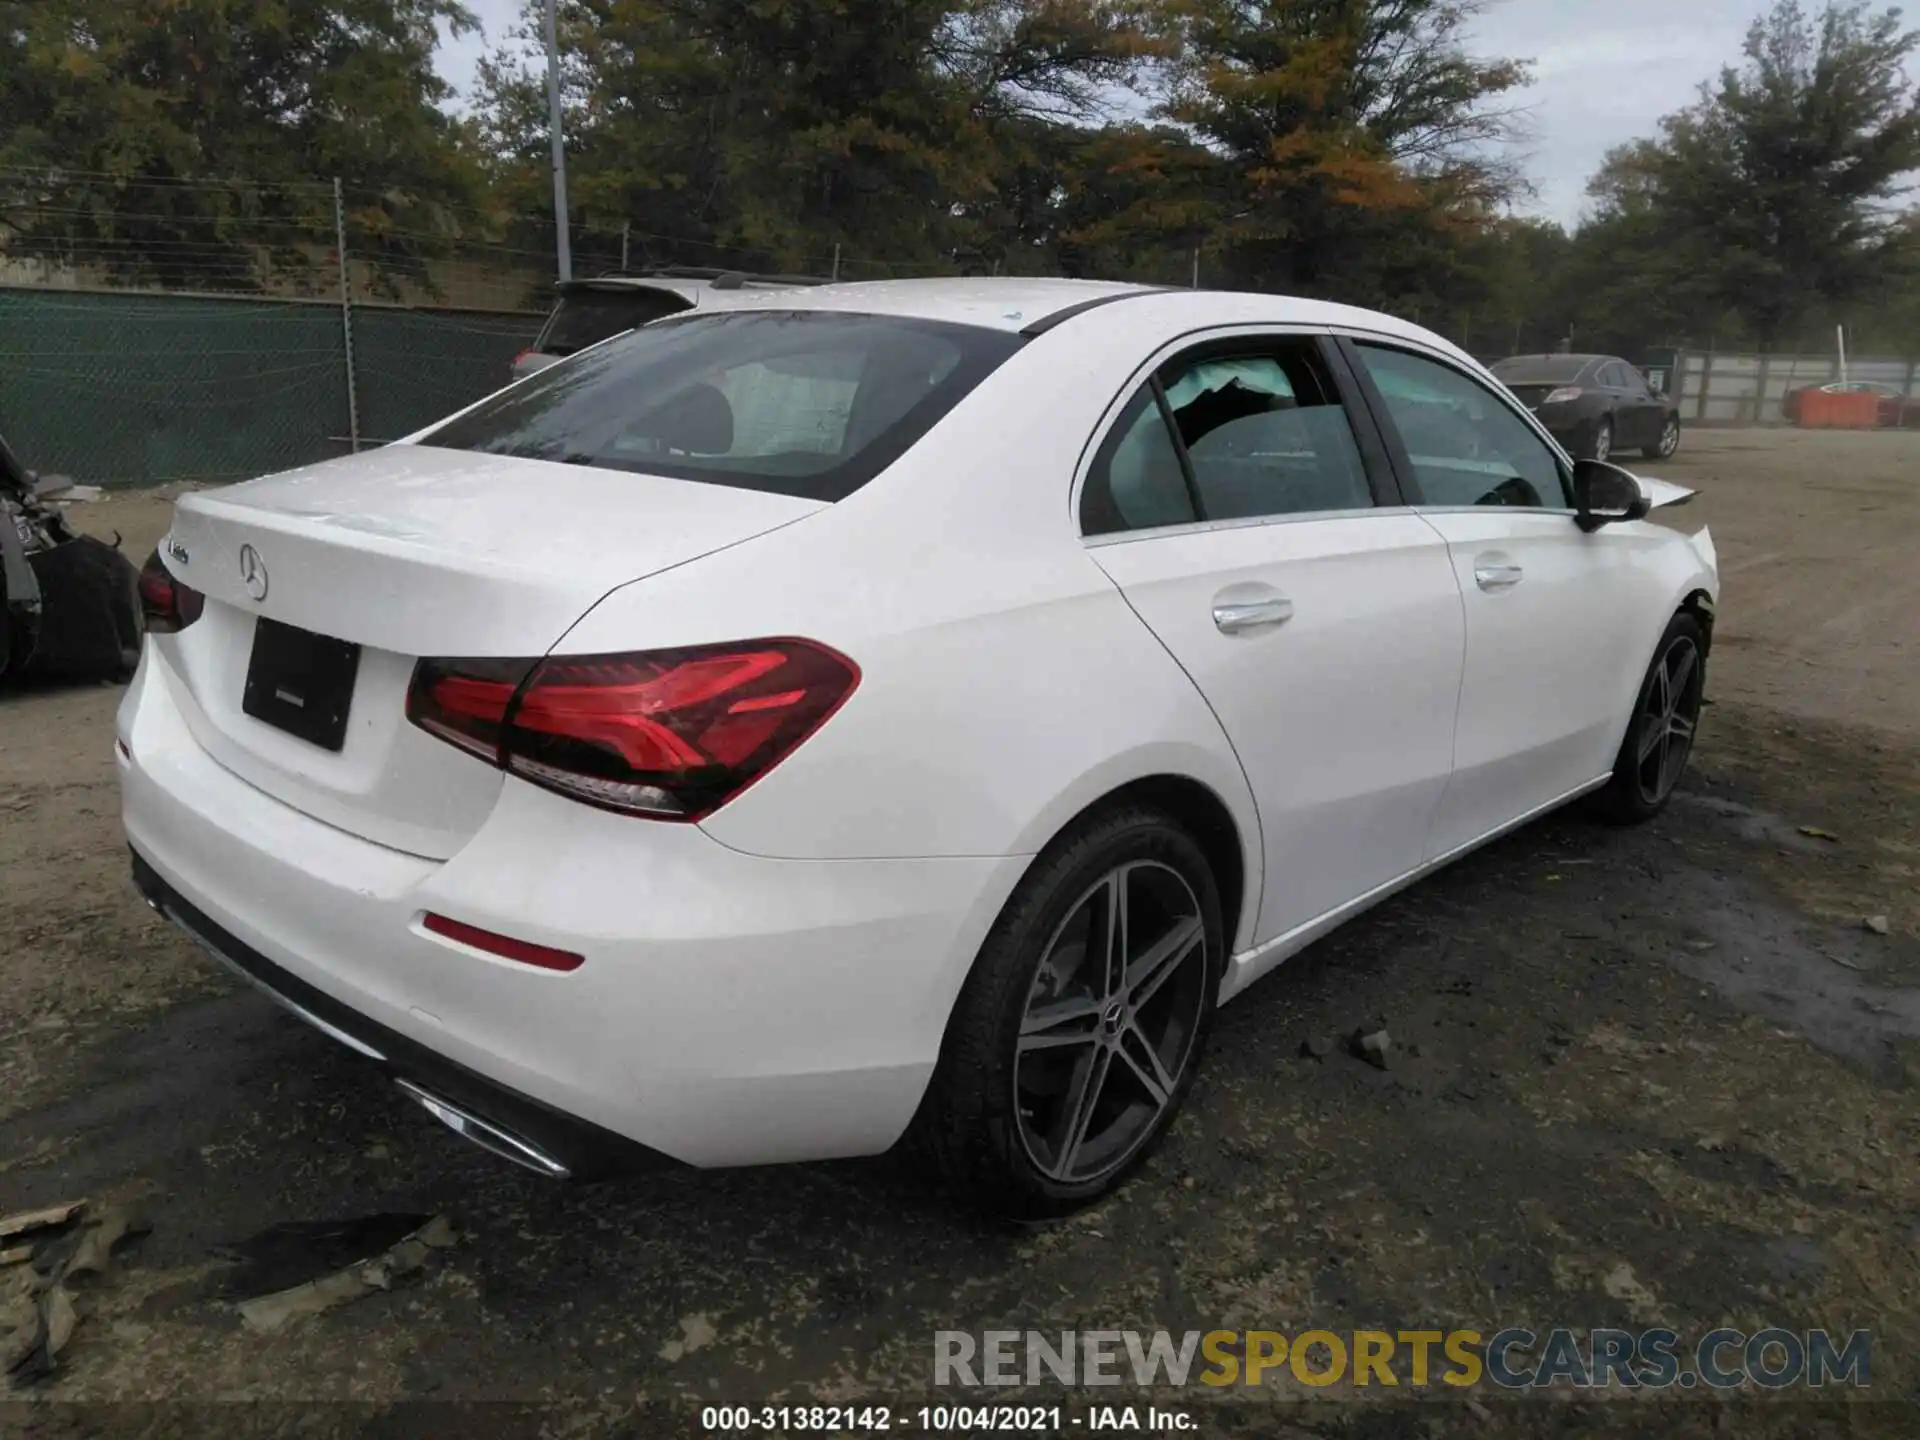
<point>465,702</point>
<point>672,734</point>
<point>167,603</point>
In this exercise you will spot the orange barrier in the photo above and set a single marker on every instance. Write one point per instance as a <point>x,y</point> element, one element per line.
<point>1824,410</point>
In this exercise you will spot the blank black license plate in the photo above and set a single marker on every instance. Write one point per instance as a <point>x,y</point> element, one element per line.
<point>301,683</point>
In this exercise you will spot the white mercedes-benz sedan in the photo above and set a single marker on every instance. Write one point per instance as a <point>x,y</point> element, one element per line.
<point>887,712</point>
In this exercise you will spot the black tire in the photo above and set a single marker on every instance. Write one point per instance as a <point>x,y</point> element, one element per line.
<point>972,1128</point>
<point>1660,449</point>
<point>90,624</point>
<point>1629,798</point>
<point>1600,441</point>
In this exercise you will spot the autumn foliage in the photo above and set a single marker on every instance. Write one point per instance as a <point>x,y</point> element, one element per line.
<point>1351,149</point>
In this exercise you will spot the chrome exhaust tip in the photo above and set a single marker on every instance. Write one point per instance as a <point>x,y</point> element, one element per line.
<point>485,1133</point>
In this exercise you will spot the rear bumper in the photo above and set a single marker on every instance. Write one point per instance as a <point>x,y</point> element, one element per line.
<point>731,1010</point>
<point>518,1127</point>
<point>1574,434</point>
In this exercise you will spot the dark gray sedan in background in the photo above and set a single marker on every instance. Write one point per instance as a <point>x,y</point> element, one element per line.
<point>1593,404</point>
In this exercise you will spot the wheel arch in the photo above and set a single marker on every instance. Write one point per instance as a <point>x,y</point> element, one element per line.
<point>1697,601</point>
<point>1204,816</point>
<point>1699,604</point>
<point>1196,807</point>
<point>1229,840</point>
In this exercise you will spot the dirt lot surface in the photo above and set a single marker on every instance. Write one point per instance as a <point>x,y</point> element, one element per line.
<point>1661,1076</point>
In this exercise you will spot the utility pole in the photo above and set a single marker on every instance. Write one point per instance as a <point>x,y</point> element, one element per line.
<point>562,239</point>
<point>346,314</point>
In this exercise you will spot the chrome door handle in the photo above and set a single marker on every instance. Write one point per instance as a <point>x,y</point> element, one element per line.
<point>1252,615</point>
<point>1496,577</point>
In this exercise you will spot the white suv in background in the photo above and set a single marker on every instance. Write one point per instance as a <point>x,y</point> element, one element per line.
<point>589,311</point>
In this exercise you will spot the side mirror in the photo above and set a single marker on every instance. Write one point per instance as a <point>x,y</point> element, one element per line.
<point>1605,494</point>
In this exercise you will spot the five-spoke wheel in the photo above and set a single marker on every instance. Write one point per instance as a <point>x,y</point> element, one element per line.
<point>1113,1012</point>
<point>1670,709</point>
<point>1078,1032</point>
<point>1660,734</point>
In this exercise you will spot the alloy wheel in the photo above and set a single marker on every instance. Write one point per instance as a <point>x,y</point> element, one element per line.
<point>1669,439</point>
<point>1110,1023</point>
<point>1603,441</point>
<point>1669,714</point>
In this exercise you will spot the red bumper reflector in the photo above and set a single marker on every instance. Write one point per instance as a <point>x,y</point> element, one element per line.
<point>543,957</point>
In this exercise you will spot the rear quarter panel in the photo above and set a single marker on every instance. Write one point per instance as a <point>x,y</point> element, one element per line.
<point>1005,683</point>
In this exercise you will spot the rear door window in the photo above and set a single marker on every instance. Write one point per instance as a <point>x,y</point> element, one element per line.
<point>1137,482</point>
<point>805,403</point>
<point>1267,436</point>
<point>1245,435</point>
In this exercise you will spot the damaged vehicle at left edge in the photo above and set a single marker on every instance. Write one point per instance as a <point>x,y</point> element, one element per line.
<point>69,603</point>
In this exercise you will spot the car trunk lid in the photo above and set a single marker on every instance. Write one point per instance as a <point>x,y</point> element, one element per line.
<point>403,553</point>
<point>1531,396</point>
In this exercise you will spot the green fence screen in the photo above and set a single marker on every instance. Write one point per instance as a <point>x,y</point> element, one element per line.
<point>136,389</point>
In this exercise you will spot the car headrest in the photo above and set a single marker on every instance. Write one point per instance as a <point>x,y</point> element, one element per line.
<point>697,421</point>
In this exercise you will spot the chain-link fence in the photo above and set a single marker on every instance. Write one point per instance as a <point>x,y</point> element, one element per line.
<point>131,389</point>
<point>155,330</point>
<point>159,330</point>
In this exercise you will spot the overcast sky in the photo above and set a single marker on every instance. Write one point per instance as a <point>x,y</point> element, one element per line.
<point>1604,71</point>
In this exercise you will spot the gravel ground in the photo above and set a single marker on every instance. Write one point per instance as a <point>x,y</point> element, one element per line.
<point>1661,1076</point>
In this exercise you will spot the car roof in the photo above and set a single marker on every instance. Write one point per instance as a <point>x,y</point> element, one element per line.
<point>1030,305</point>
<point>994,302</point>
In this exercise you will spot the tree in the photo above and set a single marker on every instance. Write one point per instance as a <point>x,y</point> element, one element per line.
<point>1139,202</point>
<point>1775,190</point>
<point>1625,282</point>
<point>781,130</point>
<point>1355,135</point>
<point>108,108</point>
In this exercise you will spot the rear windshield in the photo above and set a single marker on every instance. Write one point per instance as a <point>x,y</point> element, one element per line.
<point>1539,369</point>
<point>806,403</point>
<point>587,317</point>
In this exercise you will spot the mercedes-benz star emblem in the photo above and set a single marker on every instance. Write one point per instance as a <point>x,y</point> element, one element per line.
<point>253,572</point>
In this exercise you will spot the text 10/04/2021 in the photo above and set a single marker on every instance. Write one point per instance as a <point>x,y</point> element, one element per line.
<point>946,1419</point>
